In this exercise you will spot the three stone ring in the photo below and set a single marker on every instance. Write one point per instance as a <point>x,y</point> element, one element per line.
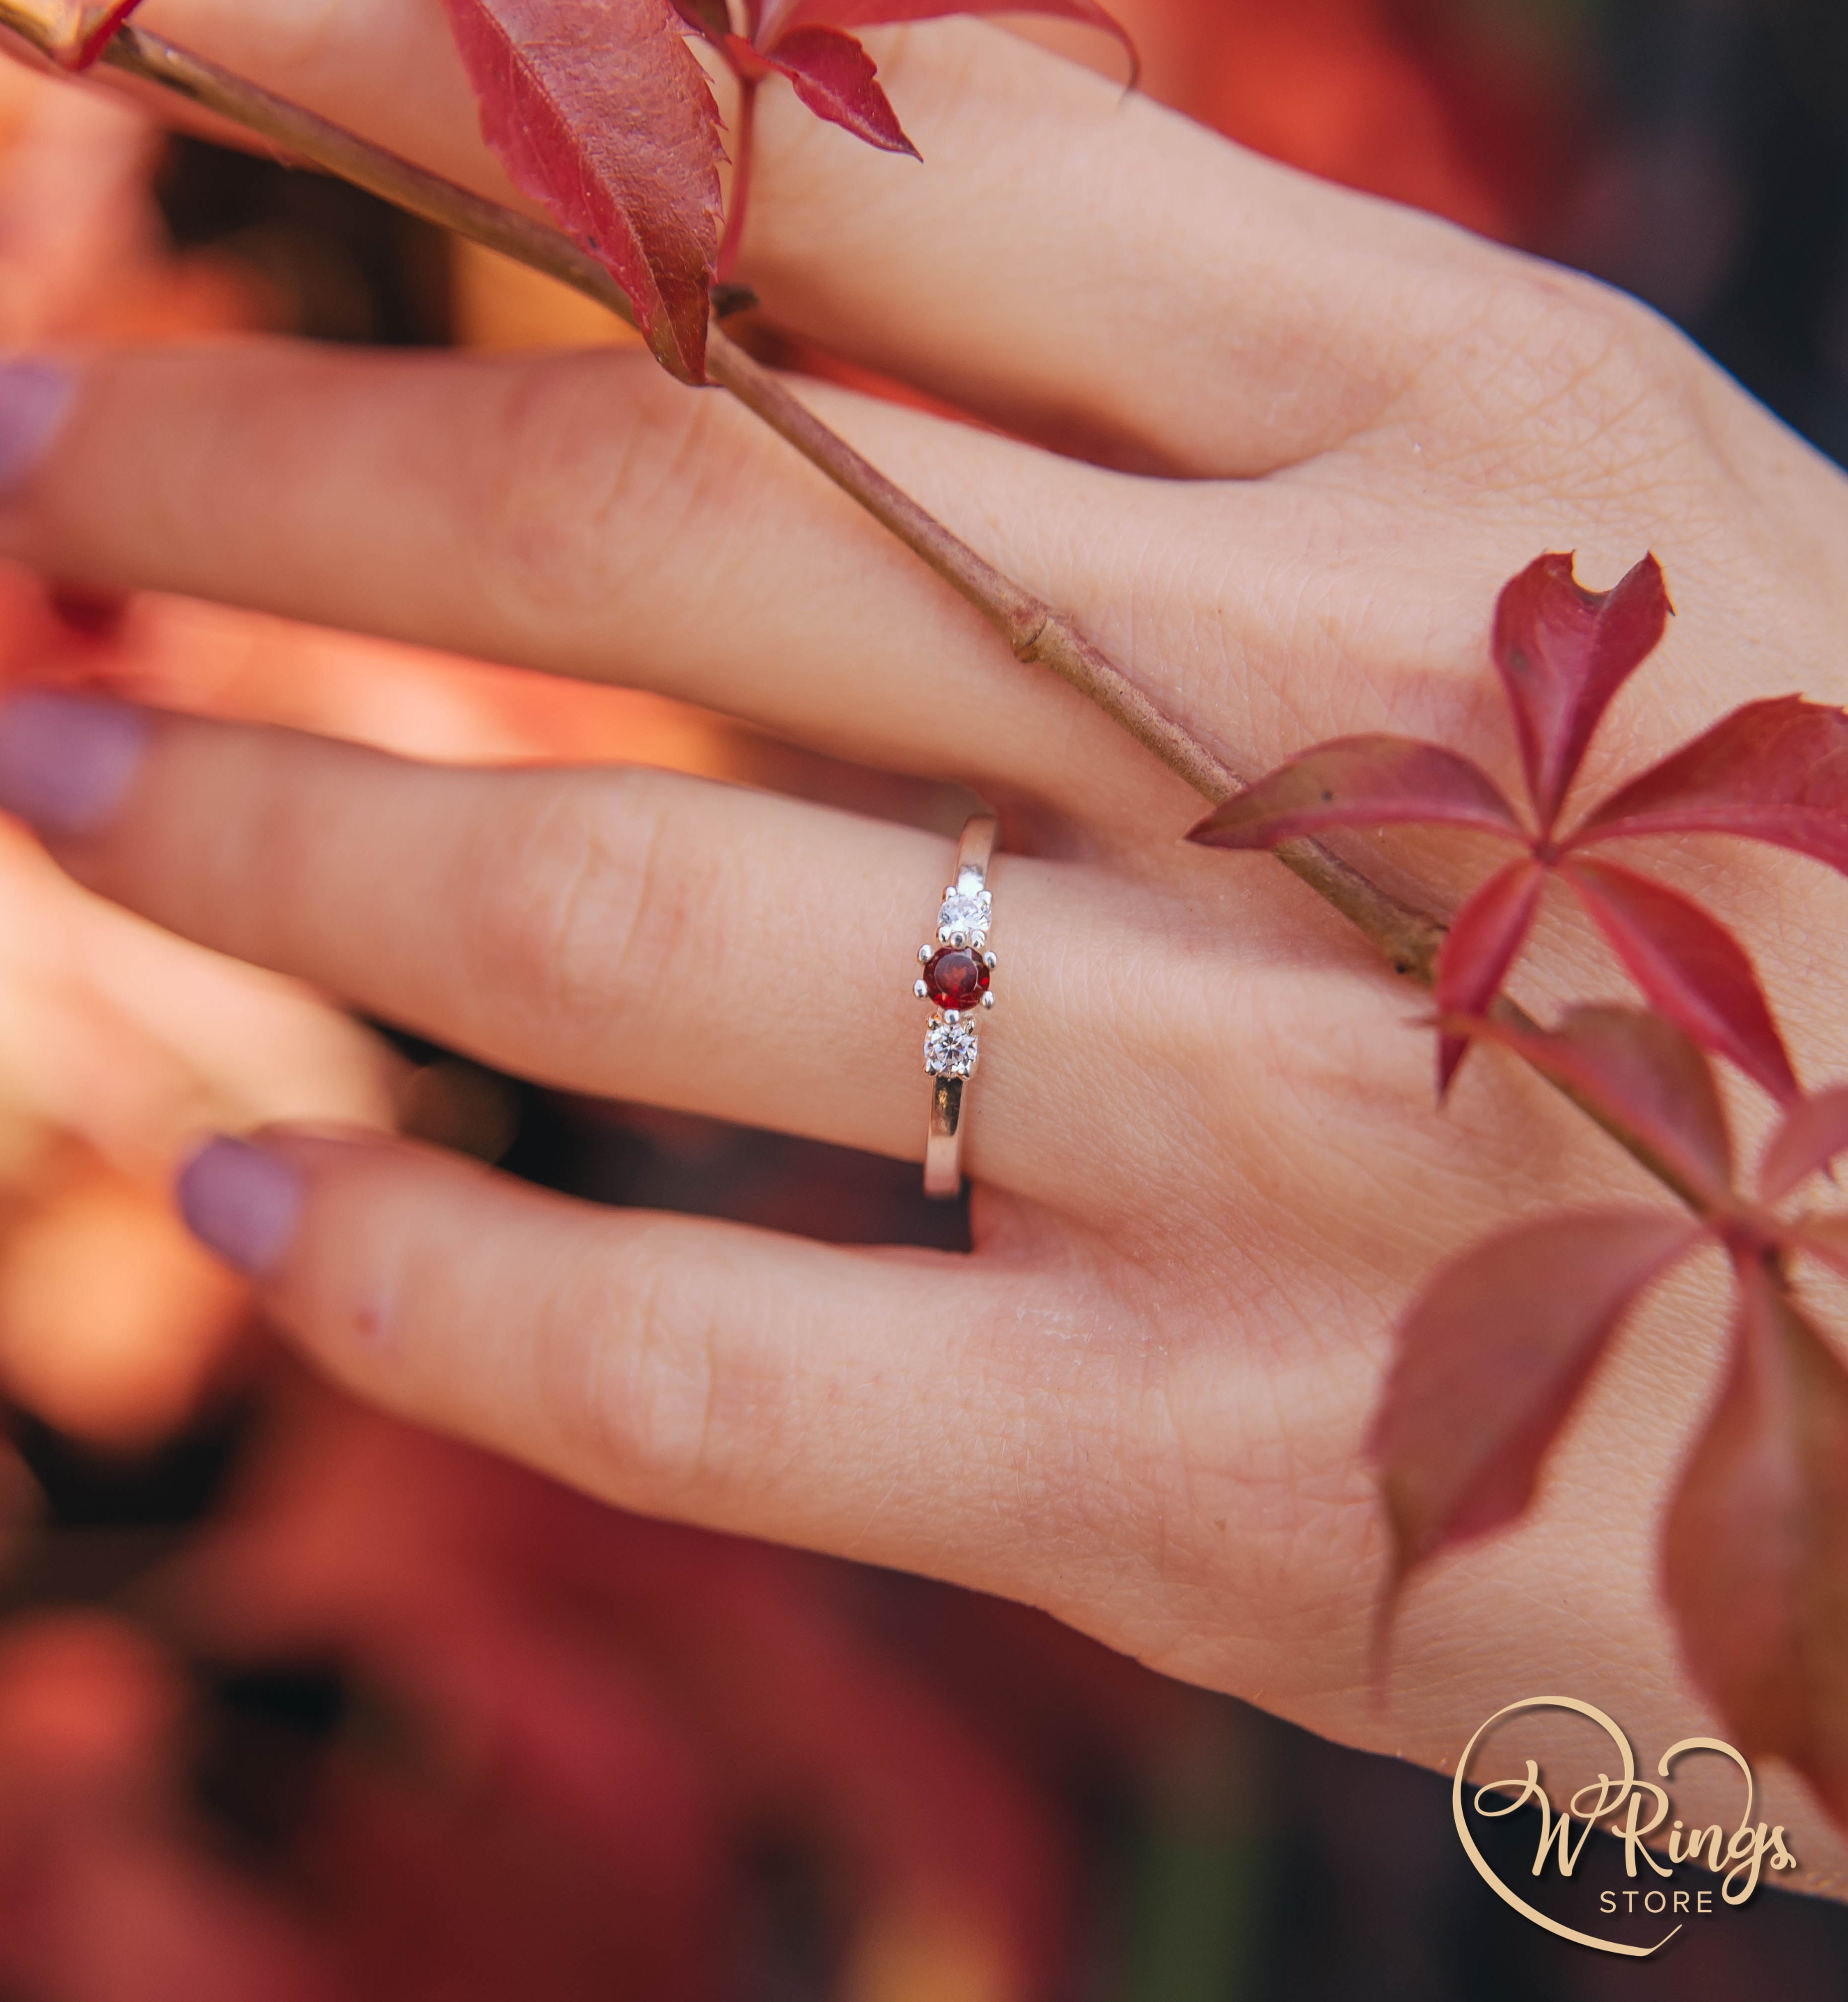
<point>958,971</point>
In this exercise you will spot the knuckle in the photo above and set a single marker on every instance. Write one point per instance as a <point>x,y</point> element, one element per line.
<point>584,474</point>
<point>626,1355</point>
<point>1610,357</point>
<point>1563,371</point>
<point>569,903</point>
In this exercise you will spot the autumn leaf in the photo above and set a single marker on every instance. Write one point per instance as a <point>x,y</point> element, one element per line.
<point>1375,781</point>
<point>1775,771</point>
<point>1755,1557</point>
<point>1646,1078</point>
<point>807,41</point>
<point>1488,933</point>
<point>1491,1360</point>
<point>1689,966</point>
<point>780,17</point>
<point>1814,1132</point>
<point>1562,653</point>
<point>72,32</point>
<point>1492,1357</point>
<point>834,76</point>
<point>1823,1237</point>
<point>599,109</point>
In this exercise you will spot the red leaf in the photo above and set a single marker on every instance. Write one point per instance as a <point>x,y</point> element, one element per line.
<point>1755,1552</point>
<point>1824,1237</point>
<point>1485,938</point>
<point>1360,781</point>
<point>751,66</point>
<point>709,18</point>
<point>782,18</point>
<point>73,32</point>
<point>1490,1361</point>
<point>599,109</point>
<point>1563,653</point>
<point>834,76</point>
<point>1690,967</point>
<point>1644,1075</point>
<point>1814,1131</point>
<point>1774,771</point>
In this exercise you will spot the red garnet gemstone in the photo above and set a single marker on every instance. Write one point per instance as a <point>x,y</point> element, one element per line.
<point>956,978</point>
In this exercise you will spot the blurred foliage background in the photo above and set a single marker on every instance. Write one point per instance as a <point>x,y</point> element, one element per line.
<point>296,1702</point>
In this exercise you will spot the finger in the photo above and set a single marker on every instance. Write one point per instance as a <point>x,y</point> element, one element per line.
<point>1064,259</point>
<point>1094,270</point>
<point>634,934</point>
<point>848,1400</point>
<point>583,515</point>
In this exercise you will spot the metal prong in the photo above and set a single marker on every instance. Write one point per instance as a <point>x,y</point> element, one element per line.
<point>990,961</point>
<point>923,955</point>
<point>950,1015</point>
<point>949,892</point>
<point>976,938</point>
<point>922,992</point>
<point>987,1000</point>
<point>958,938</point>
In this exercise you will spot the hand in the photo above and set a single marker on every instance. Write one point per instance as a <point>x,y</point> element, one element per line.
<point>1209,1172</point>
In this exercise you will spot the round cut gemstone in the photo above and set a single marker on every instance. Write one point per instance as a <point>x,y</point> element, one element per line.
<point>970,910</point>
<point>950,1049</point>
<point>956,978</point>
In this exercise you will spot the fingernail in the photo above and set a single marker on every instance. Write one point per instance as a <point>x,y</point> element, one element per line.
<point>66,761</point>
<point>35,399</point>
<point>242,1201</point>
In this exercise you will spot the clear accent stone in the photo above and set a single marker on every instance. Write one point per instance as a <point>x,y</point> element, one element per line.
<point>950,1049</point>
<point>967,910</point>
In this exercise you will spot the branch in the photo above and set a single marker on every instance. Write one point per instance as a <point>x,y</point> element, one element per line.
<point>1038,633</point>
<point>1409,938</point>
<point>1043,636</point>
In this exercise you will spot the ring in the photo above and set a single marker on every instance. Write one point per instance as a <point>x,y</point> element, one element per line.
<point>957,968</point>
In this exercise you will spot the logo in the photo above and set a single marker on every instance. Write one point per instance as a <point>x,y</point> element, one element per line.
<point>1632,1809</point>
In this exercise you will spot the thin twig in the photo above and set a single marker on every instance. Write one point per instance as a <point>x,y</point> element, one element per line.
<point>743,151</point>
<point>305,136</point>
<point>1409,938</point>
<point>1043,636</point>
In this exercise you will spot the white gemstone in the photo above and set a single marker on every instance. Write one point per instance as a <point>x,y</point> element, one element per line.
<point>950,1049</point>
<point>970,910</point>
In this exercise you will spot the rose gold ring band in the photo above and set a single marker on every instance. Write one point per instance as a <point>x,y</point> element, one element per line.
<point>958,966</point>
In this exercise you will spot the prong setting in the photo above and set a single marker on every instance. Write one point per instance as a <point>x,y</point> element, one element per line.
<point>950,1049</point>
<point>957,970</point>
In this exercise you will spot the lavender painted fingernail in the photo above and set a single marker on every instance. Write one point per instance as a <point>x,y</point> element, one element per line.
<point>242,1201</point>
<point>35,399</point>
<point>66,761</point>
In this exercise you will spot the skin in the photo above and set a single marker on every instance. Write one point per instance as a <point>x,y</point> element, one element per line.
<point>1277,447</point>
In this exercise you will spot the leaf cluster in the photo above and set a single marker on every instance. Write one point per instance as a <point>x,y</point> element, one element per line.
<point>1494,1358</point>
<point>600,111</point>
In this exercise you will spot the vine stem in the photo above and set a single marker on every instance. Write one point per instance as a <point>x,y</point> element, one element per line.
<point>1408,938</point>
<point>744,132</point>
